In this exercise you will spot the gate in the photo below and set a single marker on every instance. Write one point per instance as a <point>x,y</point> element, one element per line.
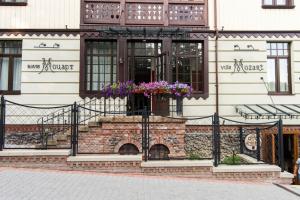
<point>260,141</point>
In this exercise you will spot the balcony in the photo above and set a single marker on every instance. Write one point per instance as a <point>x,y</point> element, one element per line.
<point>145,12</point>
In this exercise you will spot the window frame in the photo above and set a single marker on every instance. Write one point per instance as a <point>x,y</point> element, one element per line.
<point>85,84</point>
<point>204,89</point>
<point>3,3</point>
<point>289,5</point>
<point>10,90</point>
<point>277,70</point>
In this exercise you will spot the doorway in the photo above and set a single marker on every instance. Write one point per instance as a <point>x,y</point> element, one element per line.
<point>290,146</point>
<point>146,63</point>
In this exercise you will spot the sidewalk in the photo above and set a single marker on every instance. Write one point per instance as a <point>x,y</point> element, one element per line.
<point>295,189</point>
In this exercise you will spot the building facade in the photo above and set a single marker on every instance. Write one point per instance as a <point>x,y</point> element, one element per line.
<point>242,58</point>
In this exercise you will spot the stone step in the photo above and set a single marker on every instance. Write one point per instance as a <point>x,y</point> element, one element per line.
<point>61,137</point>
<point>52,142</point>
<point>83,129</point>
<point>94,124</point>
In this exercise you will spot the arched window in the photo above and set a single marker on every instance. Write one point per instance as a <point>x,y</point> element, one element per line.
<point>128,149</point>
<point>159,152</point>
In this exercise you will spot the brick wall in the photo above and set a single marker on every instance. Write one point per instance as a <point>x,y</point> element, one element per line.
<point>52,162</point>
<point>112,133</point>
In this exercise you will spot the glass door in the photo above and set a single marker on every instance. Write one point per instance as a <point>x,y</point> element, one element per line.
<point>146,63</point>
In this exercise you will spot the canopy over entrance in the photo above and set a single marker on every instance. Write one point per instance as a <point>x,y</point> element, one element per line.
<point>269,111</point>
<point>146,32</point>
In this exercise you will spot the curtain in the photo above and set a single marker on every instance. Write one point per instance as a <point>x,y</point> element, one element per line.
<point>4,73</point>
<point>17,74</point>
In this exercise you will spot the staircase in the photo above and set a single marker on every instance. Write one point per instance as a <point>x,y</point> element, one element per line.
<point>55,128</point>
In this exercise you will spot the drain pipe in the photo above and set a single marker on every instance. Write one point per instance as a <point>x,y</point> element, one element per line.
<point>216,54</point>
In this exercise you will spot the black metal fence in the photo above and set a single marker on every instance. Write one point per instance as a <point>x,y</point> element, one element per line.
<point>260,141</point>
<point>24,127</point>
<point>58,127</point>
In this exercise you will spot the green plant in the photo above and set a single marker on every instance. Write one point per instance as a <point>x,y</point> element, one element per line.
<point>232,160</point>
<point>194,156</point>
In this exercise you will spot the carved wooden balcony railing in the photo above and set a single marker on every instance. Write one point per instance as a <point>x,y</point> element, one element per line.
<point>145,12</point>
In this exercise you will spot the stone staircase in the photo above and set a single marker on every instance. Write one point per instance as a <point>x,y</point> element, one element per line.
<point>60,140</point>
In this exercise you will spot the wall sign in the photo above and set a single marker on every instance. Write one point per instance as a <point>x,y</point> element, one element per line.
<point>251,142</point>
<point>44,46</point>
<point>48,66</point>
<point>239,66</point>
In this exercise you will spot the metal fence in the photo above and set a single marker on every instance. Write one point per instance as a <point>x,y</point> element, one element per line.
<point>260,141</point>
<point>23,127</point>
<point>40,127</point>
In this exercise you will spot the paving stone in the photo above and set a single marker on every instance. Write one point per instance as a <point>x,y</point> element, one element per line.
<point>19,184</point>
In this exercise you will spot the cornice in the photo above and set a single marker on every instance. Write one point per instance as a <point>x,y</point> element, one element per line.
<point>188,34</point>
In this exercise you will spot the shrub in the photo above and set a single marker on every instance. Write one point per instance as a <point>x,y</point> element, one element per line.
<point>232,160</point>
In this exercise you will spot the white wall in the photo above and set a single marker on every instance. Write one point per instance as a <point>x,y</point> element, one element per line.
<point>41,14</point>
<point>48,88</point>
<point>244,88</point>
<point>249,15</point>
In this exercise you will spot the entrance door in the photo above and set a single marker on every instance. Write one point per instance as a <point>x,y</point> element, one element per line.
<point>146,64</point>
<point>290,146</point>
<point>160,103</point>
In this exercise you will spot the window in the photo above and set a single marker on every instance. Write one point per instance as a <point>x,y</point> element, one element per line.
<point>10,67</point>
<point>101,64</point>
<point>13,2</point>
<point>188,64</point>
<point>278,67</point>
<point>278,4</point>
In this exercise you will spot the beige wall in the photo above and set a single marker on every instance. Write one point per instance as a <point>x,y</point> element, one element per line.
<point>244,88</point>
<point>249,15</point>
<point>41,14</point>
<point>48,88</point>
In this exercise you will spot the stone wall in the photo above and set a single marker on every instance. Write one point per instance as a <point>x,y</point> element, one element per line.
<point>200,144</point>
<point>229,142</point>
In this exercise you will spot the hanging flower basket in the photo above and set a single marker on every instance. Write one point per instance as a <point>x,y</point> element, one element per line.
<point>148,89</point>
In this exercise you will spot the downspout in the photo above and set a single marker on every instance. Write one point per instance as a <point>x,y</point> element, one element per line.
<point>216,54</point>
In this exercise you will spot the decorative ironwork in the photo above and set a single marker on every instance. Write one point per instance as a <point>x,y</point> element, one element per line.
<point>144,13</point>
<point>183,14</point>
<point>102,12</point>
<point>269,111</point>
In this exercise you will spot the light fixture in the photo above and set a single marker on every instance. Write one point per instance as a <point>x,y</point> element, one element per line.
<point>237,47</point>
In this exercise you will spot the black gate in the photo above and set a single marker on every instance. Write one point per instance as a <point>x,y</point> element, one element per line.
<point>261,141</point>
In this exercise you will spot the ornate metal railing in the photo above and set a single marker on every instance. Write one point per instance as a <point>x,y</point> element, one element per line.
<point>156,12</point>
<point>59,121</point>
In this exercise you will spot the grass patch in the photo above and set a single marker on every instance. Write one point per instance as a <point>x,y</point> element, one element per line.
<point>194,157</point>
<point>232,160</point>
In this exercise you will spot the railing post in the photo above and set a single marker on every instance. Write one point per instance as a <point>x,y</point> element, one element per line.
<point>179,106</point>
<point>2,123</point>
<point>258,144</point>
<point>216,139</point>
<point>145,133</point>
<point>241,140</point>
<point>74,128</point>
<point>280,145</point>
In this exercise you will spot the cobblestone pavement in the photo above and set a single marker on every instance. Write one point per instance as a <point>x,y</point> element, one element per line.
<point>25,184</point>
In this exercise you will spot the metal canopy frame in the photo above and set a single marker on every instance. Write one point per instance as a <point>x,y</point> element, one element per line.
<point>146,31</point>
<point>269,111</point>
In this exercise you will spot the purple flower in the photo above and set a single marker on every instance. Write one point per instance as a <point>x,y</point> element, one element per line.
<point>152,88</point>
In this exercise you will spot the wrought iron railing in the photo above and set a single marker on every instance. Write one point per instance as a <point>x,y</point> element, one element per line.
<point>90,109</point>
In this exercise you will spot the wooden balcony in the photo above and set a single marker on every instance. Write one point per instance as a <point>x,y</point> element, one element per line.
<point>145,12</point>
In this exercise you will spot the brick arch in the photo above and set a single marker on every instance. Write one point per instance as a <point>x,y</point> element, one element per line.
<point>165,147</point>
<point>159,141</point>
<point>120,144</point>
